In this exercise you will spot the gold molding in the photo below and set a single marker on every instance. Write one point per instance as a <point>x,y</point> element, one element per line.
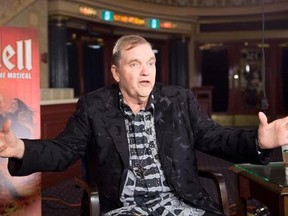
<point>210,3</point>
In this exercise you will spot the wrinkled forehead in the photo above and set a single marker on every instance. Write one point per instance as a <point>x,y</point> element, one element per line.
<point>126,43</point>
<point>141,53</point>
<point>132,45</point>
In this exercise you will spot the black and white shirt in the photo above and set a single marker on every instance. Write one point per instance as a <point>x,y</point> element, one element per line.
<point>146,191</point>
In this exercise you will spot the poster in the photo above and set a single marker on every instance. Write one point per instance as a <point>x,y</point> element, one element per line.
<point>20,101</point>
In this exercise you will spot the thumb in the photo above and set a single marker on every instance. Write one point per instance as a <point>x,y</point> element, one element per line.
<point>6,126</point>
<point>262,118</point>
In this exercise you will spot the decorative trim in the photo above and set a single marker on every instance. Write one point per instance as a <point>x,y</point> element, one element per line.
<point>211,3</point>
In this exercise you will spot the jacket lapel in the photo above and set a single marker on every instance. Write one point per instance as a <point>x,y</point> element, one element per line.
<point>115,121</point>
<point>163,125</point>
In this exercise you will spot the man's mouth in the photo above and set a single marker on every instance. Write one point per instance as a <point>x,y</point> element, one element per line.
<point>144,81</point>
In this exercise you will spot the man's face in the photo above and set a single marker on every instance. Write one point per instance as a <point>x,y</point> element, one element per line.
<point>136,73</point>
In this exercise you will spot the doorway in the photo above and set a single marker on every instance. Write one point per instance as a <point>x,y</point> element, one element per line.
<point>215,68</point>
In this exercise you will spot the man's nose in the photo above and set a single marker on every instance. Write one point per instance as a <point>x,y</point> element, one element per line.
<point>145,71</point>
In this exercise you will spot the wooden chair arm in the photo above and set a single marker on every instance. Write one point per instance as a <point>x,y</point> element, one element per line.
<point>94,204</point>
<point>219,181</point>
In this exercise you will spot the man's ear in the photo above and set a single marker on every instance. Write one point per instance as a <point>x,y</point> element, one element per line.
<point>115,73</point>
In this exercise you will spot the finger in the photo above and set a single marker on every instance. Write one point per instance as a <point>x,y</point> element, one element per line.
<point>6,126</point>
<point>262,118</point>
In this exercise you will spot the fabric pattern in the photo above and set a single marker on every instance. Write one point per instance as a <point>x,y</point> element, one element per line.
<point>146,191</point>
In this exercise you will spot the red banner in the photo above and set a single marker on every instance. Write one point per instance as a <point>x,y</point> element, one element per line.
<point>20,102</point>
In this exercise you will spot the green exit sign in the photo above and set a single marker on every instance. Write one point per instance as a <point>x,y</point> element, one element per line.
<point>154,23</point>
<point>107,15</point>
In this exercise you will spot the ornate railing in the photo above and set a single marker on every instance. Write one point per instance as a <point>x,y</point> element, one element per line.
<point>212,3</point>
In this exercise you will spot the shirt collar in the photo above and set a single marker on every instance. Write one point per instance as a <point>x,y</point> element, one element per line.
<point>149,107</point>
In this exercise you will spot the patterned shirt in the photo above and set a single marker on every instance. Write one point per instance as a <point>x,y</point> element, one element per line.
<point>146,191</point>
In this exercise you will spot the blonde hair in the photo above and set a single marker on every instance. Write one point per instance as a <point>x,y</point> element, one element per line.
<point>126,42</point>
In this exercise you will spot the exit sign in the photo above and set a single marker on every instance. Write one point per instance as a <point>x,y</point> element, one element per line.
<point>154,23</point>
<point>107,15</point>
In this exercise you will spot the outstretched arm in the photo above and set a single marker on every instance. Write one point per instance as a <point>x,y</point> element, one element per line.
<point>10,145</point>
<point>274,134</point>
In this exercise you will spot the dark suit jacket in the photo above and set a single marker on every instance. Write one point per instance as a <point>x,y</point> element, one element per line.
<point>97,130</point>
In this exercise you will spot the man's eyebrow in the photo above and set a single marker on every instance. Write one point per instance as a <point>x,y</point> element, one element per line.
<point>138,60</point>
<point>133,60</point>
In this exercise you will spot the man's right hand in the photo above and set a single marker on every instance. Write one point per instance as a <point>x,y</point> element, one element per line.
<point>10,145</point>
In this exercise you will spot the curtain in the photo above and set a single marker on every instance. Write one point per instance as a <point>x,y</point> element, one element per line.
<point>58,63</point>
<point>73,69</point>
<point>93,60</point>
<point>178,56</point>
<point>215,68</point>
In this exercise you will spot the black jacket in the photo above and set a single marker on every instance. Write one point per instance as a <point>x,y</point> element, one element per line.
<point>97,132</point>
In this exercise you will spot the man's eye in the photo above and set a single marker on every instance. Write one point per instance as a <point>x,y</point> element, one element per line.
<point>152,63</point>
<point>134,65</point>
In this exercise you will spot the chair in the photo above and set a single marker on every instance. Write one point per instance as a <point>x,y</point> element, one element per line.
<point>94,203</point>
<point>218,181</point>
<point>215,177</point>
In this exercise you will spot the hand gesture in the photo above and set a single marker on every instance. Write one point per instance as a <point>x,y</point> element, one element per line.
<point>10,145</point>
<point>274,134</point>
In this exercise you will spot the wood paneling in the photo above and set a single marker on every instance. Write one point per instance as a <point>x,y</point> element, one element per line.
<point>54,118</point>
<point>53,121</point>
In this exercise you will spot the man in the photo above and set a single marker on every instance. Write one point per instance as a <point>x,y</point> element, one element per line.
<point>142,138</point>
